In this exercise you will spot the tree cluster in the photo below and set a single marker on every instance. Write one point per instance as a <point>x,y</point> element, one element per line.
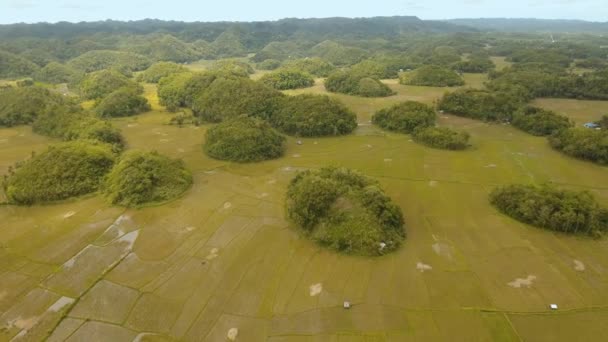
<point>551,208</point>
<point>140,178</point>
<point>64,170</point>
<point>442,138</point>
<point>431,76</point>
<point>405,117</point>
<point>346,82</point>
<point>244,139</point>
<point>540,122</point>
<point>159,70</point>
<point>284,79</point>
<point>345,211</point>
<point>582,143</point>
<point>122,102</point>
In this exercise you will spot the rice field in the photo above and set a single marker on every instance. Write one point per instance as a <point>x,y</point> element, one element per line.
<point>222,262</point>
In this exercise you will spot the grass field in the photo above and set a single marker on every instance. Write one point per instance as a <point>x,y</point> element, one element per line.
<point>223,256</point>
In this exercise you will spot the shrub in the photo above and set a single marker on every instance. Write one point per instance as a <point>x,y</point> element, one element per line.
<point>227,98</point>
<point>101,83</point>
<point>244,139</point>
<point>314,115</point>
<point>21,106</point>
<point>104,59</point>
<point>159,70</point>
<point>551,208</point>
<point>338,54</point>
<point>431,76</point>
<point>13,66</point>
<point>348,83</point>
<point>146,177</point>
<point>269,64</point>
<point>441,137</point>
<point>314,66</point>
<point>287,79</point>
<point>64,170</point>
<point>122,102</point>
<point>55,73</point>
<point>482,104</point>
<point>582,143</point>
<point>345,211</point>
<point>405,117</point>
<point>538,121</point>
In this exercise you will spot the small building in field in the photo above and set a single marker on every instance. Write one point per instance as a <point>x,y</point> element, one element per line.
<point>591,125</point>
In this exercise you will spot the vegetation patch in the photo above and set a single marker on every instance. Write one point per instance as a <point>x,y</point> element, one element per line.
<point>62,171</point>
<point>405,117</point>
<point>441,137</point>
<point>314,66</point>
<point>288,79</point>
<point>227,98</point>
<point>233,66</point>
<point>159,70</point>
<point>345,211</point>
<point>310,115</point>
<point>14,66</point>
<point>583,143</point>
<point>269,64</point>
<point>104,59</point>
<point>346,82</point>
<point>482,105</point>
<point>101,83</point>
<point>540,122</point>
<point>551,208</point>
<point>122,102</point>
<point>22,105</point>
<point>432,76</point>
<point>146,177</point>
<point>244,139</point>
<point>55,73</point>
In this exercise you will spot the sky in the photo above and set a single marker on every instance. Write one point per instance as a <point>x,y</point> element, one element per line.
<point>13,11</point>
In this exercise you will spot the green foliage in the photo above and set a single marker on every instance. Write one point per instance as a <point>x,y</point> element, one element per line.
<point>287,79</point>
<point>21,106</point>
<point>538,121</point>
<point>441,137</point>
<point>55,73</point>
<point>405,117</point>
<point>104,59</point>
<point>269,64</point>
<point>146,177</point>
<point>244,139</point>
<point>228,44</point>
<point>64,170</point>
<point>72,123</point>
<point>431,76</point>
<point>314,66</point>
<point>592,63</point>
<point>13,66</point>
<point>165,47</point>
<point>346,82</point>
<point>583,143</point>
<point>172,90</point>
<point>227,98</point>
<point>345,211</point>
<point>159,70</point>
<point>475,64</point>
<point>338,54</point>
<point>603,122</point>
<point>181,119</point>
<point>482,104</point>
<point>314,115</point>
<point>233,66</point>
<point>101,83</point>
<point>551,208</point>
<point>122,102</point>
<point>373,68</point>
<point>281,50</point>
<point>541,56</point>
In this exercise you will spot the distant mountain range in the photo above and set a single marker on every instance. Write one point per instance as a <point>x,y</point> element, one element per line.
<point>533,25</point>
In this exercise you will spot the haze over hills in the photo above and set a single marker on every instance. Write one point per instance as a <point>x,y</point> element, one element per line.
<point>533,24</point>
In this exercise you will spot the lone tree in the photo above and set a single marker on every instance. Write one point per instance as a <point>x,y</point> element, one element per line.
<point>64,170</point>
<point>345,211</point>
<point>244,139</point>
<point>146,177</point>
<point>405,117</point>
<point>310,115</point>
<point>432,76</point>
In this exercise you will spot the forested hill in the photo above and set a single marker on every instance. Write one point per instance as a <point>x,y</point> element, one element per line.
<point>267,31</point>
<point>533,25</point>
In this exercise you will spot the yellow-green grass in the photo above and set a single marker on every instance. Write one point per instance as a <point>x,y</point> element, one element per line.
<point>579,111</point>
<point>500,62</point>
<point>223,255</point>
